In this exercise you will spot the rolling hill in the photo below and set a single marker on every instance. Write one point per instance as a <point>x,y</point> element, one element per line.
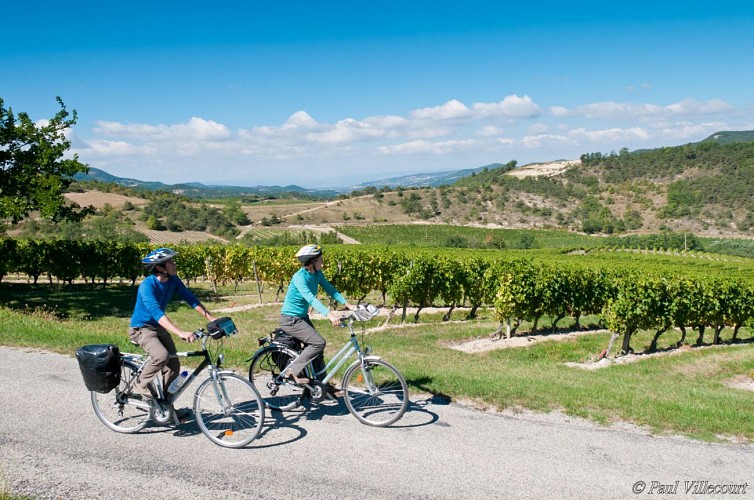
<point>705,188</point>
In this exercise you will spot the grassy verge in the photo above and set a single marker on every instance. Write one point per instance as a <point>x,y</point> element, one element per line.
<point>686,393</point>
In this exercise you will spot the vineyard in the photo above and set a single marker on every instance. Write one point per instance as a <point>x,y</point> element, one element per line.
<point>629,291</point>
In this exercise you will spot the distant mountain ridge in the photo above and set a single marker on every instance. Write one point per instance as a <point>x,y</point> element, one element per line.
<point>433,179</point>
<point>199,190</point>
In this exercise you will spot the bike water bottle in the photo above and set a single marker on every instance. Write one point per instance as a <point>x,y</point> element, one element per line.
<point>178,382</point>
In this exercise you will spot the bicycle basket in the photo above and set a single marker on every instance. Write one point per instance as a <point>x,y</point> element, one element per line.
<point>100,366</point>
<point>365,312</point>
<point>221,327</point>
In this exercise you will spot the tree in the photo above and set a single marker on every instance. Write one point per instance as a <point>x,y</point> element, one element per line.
<point>33,172</point>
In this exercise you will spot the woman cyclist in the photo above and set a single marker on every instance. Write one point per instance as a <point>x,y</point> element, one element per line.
<point>294,316</point>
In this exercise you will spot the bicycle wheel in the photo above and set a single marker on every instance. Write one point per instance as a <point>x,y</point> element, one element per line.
<point>117,410</point>
<point>264,374</point>
<point>229,411</point>
<point>375,392</point>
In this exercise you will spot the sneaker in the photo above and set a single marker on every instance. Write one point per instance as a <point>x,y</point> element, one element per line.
<point>334,391</point>
<point>142,393</point>
<point>298,380</point>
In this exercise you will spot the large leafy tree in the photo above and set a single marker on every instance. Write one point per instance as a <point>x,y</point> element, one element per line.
<point>33,171</point>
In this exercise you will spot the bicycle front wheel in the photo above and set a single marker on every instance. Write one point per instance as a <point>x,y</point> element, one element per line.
<point>265,375</point>
<point>117,409</point>
<point>228,410</point>
<point>375,392</point>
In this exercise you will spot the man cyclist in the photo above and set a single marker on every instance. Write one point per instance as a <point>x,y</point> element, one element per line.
<point>294,315</point>
<point>150,327</point>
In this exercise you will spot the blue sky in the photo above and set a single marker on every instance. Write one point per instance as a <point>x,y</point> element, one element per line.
<point>334,93</point>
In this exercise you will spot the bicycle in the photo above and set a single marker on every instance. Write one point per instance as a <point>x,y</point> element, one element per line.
<point>228,409</point>
<point>375,392</point>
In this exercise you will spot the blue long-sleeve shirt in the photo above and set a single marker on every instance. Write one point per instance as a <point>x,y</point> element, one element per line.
<point>302,293</point>
<point>153,297</point>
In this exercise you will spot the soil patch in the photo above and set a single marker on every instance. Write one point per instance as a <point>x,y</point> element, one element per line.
<point>483,345</point>
<point>741,382</point>
<point>543,169</point>
<point>99,199</point>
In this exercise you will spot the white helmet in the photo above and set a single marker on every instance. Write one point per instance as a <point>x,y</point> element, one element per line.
<point>308,254</point>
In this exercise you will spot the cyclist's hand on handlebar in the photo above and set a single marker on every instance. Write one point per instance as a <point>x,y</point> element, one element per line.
<point>334,318</point>
<point>188,336</point>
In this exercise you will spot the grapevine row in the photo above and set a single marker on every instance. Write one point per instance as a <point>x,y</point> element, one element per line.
<point>518,289</point>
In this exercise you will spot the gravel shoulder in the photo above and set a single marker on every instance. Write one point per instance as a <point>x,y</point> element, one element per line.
<point>52,446</point>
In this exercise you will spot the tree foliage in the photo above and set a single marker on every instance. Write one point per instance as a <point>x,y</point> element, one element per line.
<point>33,171</point>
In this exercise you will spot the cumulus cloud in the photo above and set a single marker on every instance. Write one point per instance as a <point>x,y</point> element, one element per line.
<point>692,131</point>
<point>545,140</point>
<point>196,129</point>
<point>611,135</point>
<point>512,106</point>
<point>451,110</point>
<point>612,109</point>
<point>418,147</point>
<point>490,131</point>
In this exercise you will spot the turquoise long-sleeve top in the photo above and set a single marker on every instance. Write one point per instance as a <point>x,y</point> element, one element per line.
<point>302,293</point>
<point>153,297</point>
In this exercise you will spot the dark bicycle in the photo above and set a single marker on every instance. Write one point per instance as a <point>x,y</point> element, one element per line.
<point>227,408</point>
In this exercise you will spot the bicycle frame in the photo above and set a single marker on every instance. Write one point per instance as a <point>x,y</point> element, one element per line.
<point>142,360</point>
<point>339,359</point>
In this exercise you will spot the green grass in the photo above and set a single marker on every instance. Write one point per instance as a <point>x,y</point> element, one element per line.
<point>681,394</point>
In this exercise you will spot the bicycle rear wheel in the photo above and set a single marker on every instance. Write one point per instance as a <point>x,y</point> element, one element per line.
<point>117,409</point>
<point>375,392</point>
<point>264,374</point>
<point>229,411</point>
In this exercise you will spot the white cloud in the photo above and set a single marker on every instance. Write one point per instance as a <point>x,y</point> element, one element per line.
<point>611,135</point>
<point>511,107</point>
<point>111,148</point>
<point>691,131</point>
<point>348,130</point>
<point>196,129</point>
<point>545,140</point>
<point>417,147</point>
<point>539,128</point>
<point>451,110</point>
<point>612,109</point>
<point>490,131</point>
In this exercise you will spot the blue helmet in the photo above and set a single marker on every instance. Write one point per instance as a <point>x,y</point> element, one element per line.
<point>157,257</point>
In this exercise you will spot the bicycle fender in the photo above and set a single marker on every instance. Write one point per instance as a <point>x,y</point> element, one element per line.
<point>372,358</point>
<point>255,353</point>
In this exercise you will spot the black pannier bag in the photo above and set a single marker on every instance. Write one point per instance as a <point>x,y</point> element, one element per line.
<point>100,366</point>
<point>279,336</point>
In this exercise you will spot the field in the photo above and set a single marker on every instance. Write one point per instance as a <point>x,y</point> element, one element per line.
<point>690,393</point>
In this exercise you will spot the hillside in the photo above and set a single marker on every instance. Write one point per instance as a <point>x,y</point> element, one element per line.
<point>705,188</point>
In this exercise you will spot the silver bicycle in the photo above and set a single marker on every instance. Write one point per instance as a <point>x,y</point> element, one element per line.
<point>375,392</point>
<point>228,409</point>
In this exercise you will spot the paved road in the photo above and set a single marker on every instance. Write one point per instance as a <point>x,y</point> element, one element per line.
<point>53,446</point>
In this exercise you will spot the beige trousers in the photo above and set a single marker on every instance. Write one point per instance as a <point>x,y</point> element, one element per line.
<point>158,343</point>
